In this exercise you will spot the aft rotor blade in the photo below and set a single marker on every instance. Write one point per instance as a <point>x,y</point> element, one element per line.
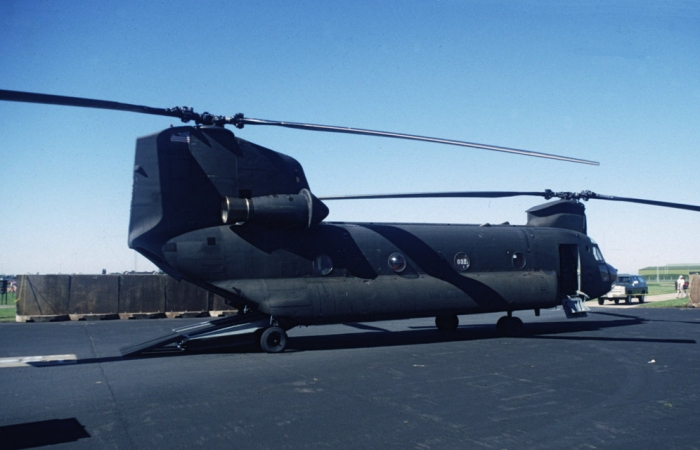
<point>465,194</point>
<point>30,97</point>
<point>336,129</point>
<point>187,114</point>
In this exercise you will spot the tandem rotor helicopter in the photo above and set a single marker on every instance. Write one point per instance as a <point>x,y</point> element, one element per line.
<point>240,220</point>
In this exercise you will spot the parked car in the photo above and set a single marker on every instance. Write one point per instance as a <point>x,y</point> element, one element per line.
<point>626,287</point>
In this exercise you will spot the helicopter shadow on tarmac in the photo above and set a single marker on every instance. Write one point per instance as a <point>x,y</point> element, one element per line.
<point>429,335</point>
<point>372,336</point>
<point>691,322</point>
<point>42,433</point>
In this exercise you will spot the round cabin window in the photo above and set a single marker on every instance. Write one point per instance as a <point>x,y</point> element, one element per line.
<point>323,265</point>
<point>518,260</point>
<point>397,262</point>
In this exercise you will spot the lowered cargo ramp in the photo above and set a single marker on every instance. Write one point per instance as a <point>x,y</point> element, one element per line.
<point>225,332</point>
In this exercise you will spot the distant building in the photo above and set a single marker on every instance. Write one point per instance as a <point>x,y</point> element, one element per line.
<point>669,272</point>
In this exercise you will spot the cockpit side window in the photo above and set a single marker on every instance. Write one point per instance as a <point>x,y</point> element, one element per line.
<point>597,254</point>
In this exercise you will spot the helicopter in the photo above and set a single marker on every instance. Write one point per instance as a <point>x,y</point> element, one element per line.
<point>240,220</point>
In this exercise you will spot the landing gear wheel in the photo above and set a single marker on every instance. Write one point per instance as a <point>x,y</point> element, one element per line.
<point>516,326</point>
<point>601,301</point>
<point>447,323</point>
<point>273,340</point>
<point>509,326</point>
<point>501,325</point>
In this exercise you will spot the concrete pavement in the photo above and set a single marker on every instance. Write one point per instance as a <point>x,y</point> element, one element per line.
<point>616,379</point>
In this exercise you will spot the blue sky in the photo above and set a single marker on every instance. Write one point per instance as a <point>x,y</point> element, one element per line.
<point>612,81</point>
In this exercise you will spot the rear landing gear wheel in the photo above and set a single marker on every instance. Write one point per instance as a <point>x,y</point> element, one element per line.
<point>273,340</point>
<point>447,323</point>
<point>509,326</point>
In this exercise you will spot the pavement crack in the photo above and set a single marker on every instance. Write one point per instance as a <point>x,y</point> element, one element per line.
<point>121,419</point>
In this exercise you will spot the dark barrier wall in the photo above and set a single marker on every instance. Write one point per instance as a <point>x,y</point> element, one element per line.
<point>61,295</point>
<point>43,295</point>
<point>96,294</point>
<point>142,294</point>
<point>184,296</point>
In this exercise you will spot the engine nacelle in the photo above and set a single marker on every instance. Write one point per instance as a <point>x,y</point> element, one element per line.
<point>301,210</point>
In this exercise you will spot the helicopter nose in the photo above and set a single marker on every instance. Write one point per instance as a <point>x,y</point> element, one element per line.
<point>613,273</point>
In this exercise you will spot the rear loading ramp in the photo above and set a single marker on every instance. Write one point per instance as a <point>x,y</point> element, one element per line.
<point>225,332</point>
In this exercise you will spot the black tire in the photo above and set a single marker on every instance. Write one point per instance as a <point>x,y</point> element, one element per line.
<point>641,299</point>
<point>516,327</point>
<point>447,323</point>
<point>617,300</point>
<point>273,340</point>
<point>502,325</point>
<point>628,300</point>
<point>601,301</point>
<point>509,326</point>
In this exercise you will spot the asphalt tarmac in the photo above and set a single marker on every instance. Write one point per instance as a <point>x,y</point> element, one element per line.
<point>620,378</point>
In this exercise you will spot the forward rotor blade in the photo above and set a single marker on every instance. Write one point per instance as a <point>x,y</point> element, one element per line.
<point>466,194</point>
<point>336,129</point>
<point>547,194</point>
<point>30,97</point>
<point>645,202</point>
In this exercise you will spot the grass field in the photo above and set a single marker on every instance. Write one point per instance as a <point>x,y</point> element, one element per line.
<point>673,303</point>
<point>663,287</point>
<point>8,314</point>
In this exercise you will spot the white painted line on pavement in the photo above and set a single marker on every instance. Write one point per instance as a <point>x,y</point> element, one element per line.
<point>35,361</point>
